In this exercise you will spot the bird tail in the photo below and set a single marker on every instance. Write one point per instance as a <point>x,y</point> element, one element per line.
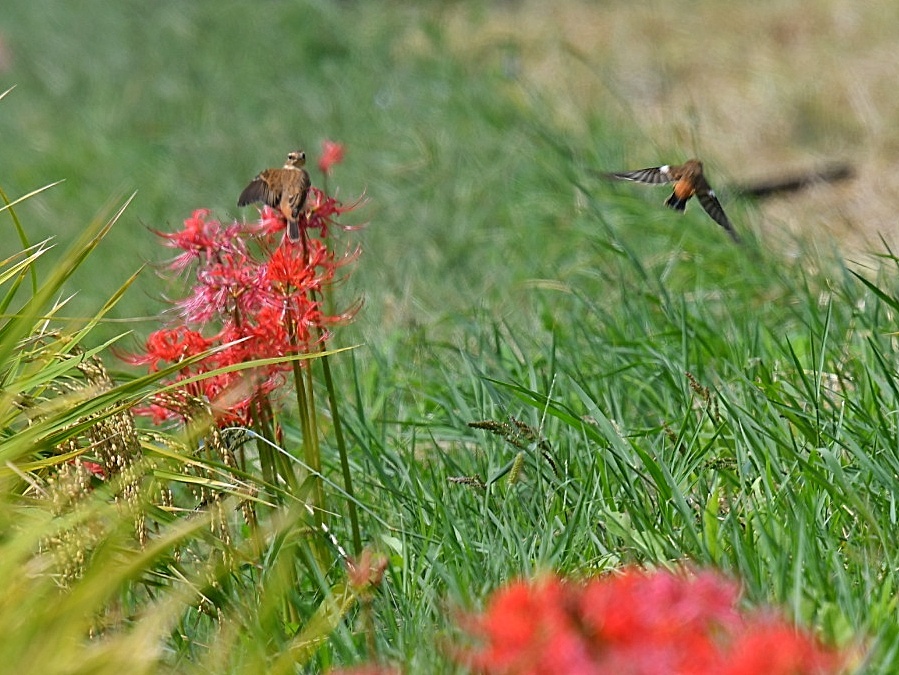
<point>293,230</point>
<point>675,202</point>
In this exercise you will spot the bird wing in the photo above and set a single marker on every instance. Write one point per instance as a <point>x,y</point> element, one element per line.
<point>712,206</point>
<point>259,190</point>
<point>654,175</point>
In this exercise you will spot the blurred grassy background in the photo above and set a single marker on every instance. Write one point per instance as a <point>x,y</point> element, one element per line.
<point>471,128</point>
<point>464,123</point>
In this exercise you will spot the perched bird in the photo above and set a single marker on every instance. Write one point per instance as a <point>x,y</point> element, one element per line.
<point>688,181</point>
<point>283,189</point>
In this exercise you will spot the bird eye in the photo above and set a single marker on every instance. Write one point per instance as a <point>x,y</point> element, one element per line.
<point>301,155</point>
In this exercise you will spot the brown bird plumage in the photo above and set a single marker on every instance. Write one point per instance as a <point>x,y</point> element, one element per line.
<point>688,181</point>
<point>283,189</point>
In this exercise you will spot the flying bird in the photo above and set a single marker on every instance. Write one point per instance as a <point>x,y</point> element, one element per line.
<point>283,189</point>
<point>688,181</point>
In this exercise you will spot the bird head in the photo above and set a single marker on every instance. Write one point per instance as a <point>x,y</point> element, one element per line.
<point>295,159</point>
<point>692,167</point>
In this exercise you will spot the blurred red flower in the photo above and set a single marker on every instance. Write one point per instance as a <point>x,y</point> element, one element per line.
<point>332,153</point>
<point>639,623</point>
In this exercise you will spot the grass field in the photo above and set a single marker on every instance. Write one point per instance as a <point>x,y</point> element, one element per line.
<point>681,398</point>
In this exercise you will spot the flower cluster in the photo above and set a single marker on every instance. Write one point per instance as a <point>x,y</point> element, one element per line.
<point>254,296</point>
<point>639,623</point>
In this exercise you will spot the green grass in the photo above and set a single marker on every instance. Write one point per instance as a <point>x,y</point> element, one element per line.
<point>695,400</point>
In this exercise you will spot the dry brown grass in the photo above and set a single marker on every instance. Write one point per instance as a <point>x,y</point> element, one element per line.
<point>757,89</point>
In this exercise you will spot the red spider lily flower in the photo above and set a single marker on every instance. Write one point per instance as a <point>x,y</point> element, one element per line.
<point>366,571</point>
<point>170,345</point>
<point>332,153</point>
<point>639,623</point>
<point>227,285</point>
<point>201,239</point>
<point>271,221</point>
<point>290,268</point>
<point>770,645</point>
<point>529,629</point>
<point>322,211</point>
<point>94,468</point>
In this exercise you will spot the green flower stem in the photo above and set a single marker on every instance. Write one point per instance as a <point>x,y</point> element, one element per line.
<point>344,458</point>
<point>311,455</point>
